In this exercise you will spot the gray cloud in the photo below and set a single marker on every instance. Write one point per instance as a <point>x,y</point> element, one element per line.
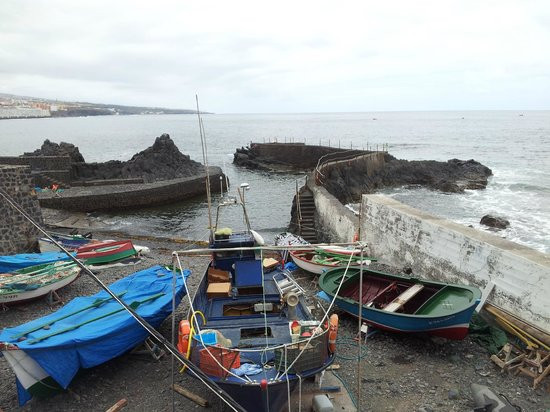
<point>288,56</point>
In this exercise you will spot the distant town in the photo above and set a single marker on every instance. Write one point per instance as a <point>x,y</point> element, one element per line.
<point>21,107</point>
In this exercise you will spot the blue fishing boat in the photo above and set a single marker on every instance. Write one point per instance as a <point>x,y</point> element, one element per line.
<point>250,329</point>
<point>46,353</point>
<point>403,304</point>
<point>12,263</point>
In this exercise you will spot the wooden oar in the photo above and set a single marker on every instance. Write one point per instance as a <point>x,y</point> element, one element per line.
<point>95,304</point>
<point>134,305</point>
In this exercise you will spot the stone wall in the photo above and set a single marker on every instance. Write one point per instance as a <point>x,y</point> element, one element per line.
<point>44,168</point>
<point>39,162</point>
<point>131,196</point>
<point>17,235</point>
<point>439,249</point>
<point>274,156</point>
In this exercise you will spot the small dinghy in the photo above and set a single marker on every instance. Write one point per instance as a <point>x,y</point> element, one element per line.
<point>320,260</point>
<point>404,304</point>
<point>46,353</point>
<point>36,281</point>
<point>106,252</point>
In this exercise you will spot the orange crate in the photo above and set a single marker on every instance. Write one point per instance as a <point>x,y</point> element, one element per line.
<point>227,357</point>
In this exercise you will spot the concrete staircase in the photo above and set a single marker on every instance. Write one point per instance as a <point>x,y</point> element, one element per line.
<point>307,222</point>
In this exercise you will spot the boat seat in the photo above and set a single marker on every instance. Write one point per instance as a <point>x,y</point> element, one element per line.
<point>403,298</point>
<point>371,302</point>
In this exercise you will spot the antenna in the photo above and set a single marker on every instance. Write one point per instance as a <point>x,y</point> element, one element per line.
<point>205,160</point>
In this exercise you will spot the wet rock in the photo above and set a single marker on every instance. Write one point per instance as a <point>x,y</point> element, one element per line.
<point>453,394</point>
<point>493,221</point>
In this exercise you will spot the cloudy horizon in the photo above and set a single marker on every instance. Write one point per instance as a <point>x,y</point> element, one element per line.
<point>252,57</point>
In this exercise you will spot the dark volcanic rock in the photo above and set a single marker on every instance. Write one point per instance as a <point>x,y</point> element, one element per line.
<point>496,222</point>
<point>62,149</point>
<point>452,176</point>
<point>161,161</point>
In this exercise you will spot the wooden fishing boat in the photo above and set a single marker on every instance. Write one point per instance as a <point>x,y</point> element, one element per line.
<point>73,242</point>
<point>404,304</point>
<point>69,242</point>
<point>36,281</point>
<point>46,353</point>
<point>106,252</point>
<point>319,261</point>
<point>253,341</point>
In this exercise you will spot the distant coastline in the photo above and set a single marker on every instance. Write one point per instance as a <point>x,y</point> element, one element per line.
<point>24,107</point>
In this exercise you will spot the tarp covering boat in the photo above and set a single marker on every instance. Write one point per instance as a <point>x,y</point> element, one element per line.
<point>105,331</point>
<point>15,262</point>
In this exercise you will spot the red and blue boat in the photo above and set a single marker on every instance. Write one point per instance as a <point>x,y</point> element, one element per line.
<point>403,304</point>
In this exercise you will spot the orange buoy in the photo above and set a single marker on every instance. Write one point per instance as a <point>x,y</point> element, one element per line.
<point>332,332</point>
<point>183,336</point>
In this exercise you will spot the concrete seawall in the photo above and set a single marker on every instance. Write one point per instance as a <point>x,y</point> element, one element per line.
<point>126,196</point>
<point>437,248</point>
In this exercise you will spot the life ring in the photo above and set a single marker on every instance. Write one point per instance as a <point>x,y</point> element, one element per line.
<point>183,336</point>
<point>332,333</point>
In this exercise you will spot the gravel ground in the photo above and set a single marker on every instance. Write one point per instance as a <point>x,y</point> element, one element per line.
<point>398,373</point>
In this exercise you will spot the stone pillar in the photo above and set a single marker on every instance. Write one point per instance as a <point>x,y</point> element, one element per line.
<point>17,235</point>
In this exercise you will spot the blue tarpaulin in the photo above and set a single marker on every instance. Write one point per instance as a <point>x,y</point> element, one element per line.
<point>63,354</point>
<point>16,262</point>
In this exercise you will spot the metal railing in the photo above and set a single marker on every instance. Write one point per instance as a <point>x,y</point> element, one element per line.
<point>341,156</point>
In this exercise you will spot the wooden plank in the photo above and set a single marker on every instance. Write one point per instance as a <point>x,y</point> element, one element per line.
<point>190,395</point>
<point>403,298</point>
<point>118,406</point>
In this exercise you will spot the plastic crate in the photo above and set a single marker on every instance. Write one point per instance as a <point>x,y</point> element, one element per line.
<point>314,355</point>
<point>228,358</point>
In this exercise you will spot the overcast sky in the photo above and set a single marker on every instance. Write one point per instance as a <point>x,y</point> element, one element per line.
<point>281,56</point>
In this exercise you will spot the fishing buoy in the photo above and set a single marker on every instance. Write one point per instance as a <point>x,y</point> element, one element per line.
<point>257,238</point>
<point>333,333</point>
<point>183,336</point>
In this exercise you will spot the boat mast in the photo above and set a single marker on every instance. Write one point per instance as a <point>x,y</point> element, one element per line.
<point>205,161</point>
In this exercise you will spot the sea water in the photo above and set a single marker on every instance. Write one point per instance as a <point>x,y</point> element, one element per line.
<point>514,144</point>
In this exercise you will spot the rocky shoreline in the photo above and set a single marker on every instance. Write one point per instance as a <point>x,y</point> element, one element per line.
<point>453,176</point>
<point>399,373</point>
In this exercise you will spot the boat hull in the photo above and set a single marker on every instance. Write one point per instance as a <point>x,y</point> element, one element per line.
<point>403,304</point>
<point>451,327</point>
<point>106,252</point>
<point>309,266</point>
<point>18,297</point>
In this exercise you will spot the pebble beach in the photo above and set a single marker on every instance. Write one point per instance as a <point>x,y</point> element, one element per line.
<point>398,373</point>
